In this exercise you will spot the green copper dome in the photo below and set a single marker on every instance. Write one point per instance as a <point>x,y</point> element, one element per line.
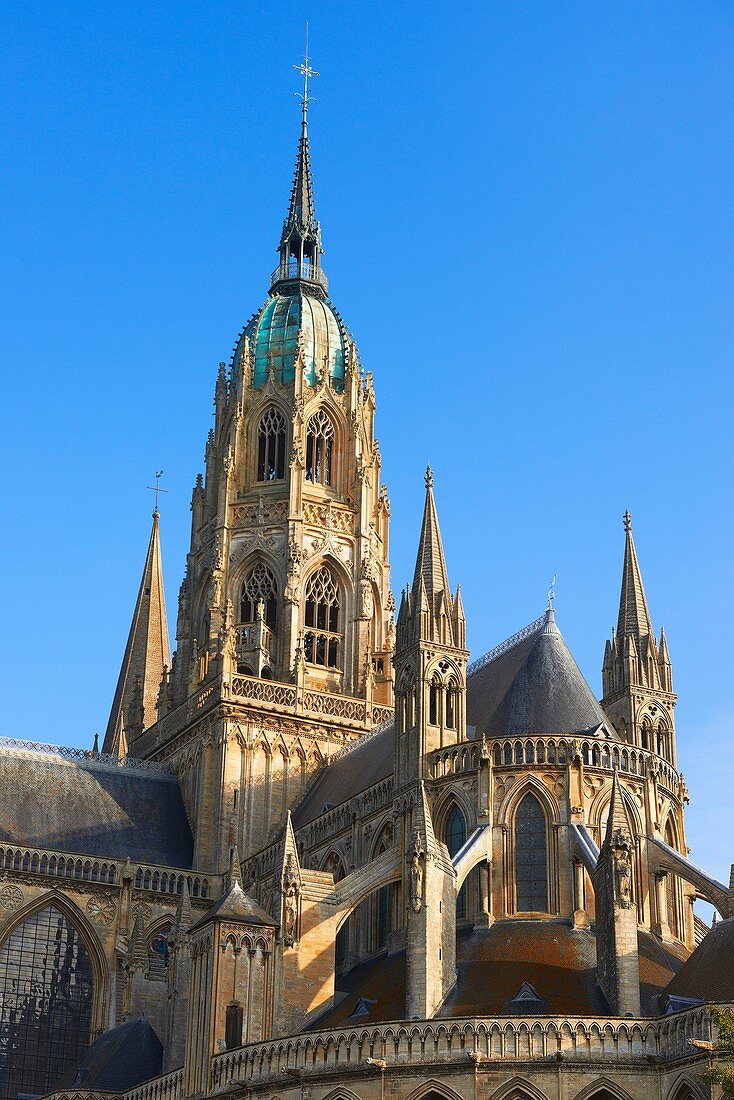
<point>273,333</point>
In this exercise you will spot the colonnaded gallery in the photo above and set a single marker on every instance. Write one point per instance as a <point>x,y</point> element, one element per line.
<point>318,855</point>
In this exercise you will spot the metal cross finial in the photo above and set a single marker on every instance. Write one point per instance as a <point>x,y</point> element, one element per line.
<point>627,519</point>
<point>307,71</point>
<point>552,592</point>
<point>429,477</point>
<point>156,488</point>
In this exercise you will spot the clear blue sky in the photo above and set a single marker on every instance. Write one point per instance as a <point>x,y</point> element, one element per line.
<point>527,213</point>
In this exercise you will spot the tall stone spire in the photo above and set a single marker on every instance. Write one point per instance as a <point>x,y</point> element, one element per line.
<point>637,681</point>
<point>147,654</point>
<point>634,617</point>
<point>300,242</point>
<point>430,564</point>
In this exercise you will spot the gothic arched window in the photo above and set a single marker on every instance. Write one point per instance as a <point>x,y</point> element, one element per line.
<point>455,838</point>
<point>271,447</point>
<point>531,857</point>
<point>319,449</point>
<point>46,1001</point>
<point>259,586</point>
<point>451,699</point>
<point>646,734</point>
<point>322,637</point>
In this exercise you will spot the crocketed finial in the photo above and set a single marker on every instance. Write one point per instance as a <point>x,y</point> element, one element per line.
<point>627,520</point>
<point>429,477</point>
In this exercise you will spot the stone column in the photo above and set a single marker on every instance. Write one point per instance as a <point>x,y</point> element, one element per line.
<point>580,915</point>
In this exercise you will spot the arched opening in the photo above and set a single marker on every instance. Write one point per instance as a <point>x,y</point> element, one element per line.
<point>259,587</point>
<point>46,1002</point>
<point>322,619</point>
<point>673,888</point>
<point>455,839</point>
<point>320,449</point>
<point>531,857</point>
<point>434,701</point>
<point>452,695</point>
<point>271,446</point>
<point>646,735</point>
<point>333,865</point>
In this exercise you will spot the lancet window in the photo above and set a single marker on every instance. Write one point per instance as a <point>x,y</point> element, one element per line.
<point>455,838</point>
<point>322,619</point>
<point>259,586</point>
<point>319,449</point>
<point>531,857</point>
<point>271,446</point>
<point>46,1002</point>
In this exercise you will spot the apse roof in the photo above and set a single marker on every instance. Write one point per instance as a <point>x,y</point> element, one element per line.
<point>708,973</point>
<point>557,962</point>
<point>93,808</point>
<point>531,685</point>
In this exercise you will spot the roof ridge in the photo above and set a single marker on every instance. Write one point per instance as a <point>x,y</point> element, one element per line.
<point>506,646</point>
<point>155,768</point>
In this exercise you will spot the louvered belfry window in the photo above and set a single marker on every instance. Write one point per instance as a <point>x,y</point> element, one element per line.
<point>531,857</point>
<point>322,637</point>
<point>319,449</point>
<point>271,447</point>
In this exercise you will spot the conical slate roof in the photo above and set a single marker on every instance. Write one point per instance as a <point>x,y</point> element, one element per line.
<point>532,686</point>
<point>147,651</point>
<point>120,1059</point>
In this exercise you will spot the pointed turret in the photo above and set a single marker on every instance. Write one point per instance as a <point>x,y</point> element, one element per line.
<point>147,655</point>
<point>430,565</point>
<point>634,617</point>
<point>430,658</point>
<point>637,681</point>
<point>618,822</point>
<point>616,913</point>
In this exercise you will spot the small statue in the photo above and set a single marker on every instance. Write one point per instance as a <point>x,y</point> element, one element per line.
<point>417,855</point>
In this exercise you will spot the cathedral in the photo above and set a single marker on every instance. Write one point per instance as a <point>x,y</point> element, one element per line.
<point>321,856</point>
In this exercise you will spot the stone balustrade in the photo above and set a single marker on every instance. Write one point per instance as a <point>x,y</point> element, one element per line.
<point>431,1042</point>
<point>167,1087</point>
<point>105,872</point>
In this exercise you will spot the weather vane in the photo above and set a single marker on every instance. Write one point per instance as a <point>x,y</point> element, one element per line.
<point>156,488</point>
<point>552,592</point>
<point>307,71</point>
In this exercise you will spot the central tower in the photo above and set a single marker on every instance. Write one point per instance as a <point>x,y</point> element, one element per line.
<point>285,627</point>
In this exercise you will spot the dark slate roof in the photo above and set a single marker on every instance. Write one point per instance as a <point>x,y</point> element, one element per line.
<point>120,1059</point>
<point>493,964</point>
<point>359,766</point>
<point>532,686</point>
<point>708,974</point>
<point>92,808</point>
